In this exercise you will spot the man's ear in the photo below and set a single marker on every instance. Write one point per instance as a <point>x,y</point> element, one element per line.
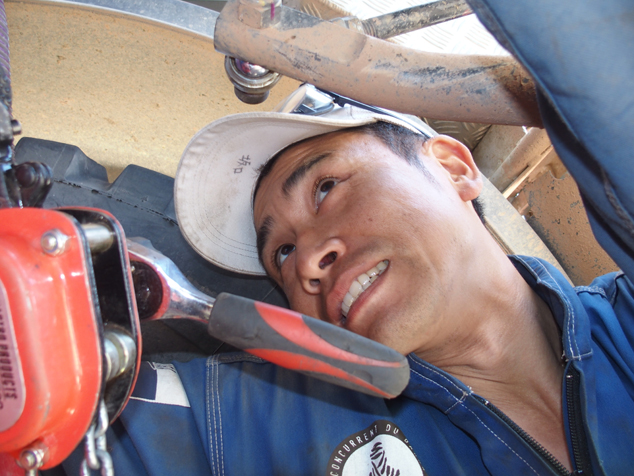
<point>456,159</point>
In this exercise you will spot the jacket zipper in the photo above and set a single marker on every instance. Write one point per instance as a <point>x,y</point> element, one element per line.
<point>559,468</point>
<point>577,433</point>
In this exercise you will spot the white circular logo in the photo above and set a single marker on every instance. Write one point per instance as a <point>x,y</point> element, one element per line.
<point>379,450</point>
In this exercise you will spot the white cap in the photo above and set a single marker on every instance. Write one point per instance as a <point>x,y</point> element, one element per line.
<point>217,173</point>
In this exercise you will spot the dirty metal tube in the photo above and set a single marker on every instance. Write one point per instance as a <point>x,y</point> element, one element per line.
<point>485,89</point>
<point>415,18</point>
<point>517,184</point>
<point>529,151</point>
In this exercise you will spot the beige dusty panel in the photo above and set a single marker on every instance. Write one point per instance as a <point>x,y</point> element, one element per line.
<point>123,90</point>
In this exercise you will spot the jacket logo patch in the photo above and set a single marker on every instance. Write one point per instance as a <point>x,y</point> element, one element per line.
<point>379,450</point>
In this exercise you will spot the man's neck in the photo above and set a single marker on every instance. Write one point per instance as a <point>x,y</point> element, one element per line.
<point>495,325</point>
<point>508,350</point>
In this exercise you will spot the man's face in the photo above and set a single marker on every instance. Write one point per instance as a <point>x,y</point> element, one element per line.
<point>348,224</point>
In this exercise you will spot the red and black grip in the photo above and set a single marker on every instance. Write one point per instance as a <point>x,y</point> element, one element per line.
<point>308,345</point>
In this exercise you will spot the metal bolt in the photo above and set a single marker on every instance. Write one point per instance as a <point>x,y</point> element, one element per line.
<point>54,242</point>
<point>26,175</point>
<point>28,459</point>
<point>32,458</point>
<point>120,350</point>
<point>251,82</point>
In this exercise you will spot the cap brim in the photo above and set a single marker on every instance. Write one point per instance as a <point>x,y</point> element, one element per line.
<point>218,170</point>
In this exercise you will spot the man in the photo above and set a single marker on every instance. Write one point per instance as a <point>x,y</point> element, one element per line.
<point>371,227</point>
<point>512,370</point>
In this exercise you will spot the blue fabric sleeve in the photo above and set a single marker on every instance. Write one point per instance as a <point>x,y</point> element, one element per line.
<point>579,53</point>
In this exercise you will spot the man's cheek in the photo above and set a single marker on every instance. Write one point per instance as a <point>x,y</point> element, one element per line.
<point>389,330</point>
<point>305,304</point>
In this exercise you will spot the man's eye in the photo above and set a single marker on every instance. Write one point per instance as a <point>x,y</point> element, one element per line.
<point>323,187</point>
<point>283,252</point>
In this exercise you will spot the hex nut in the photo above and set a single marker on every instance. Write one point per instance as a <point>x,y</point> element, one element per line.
<point>259,13</point>
<point>53,242</point>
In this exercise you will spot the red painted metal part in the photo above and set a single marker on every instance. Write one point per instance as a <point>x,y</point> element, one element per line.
<point>50,303</point>
<point>8,466</point>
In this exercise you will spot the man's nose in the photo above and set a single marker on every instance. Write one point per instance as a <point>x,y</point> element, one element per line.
<point>314,264</point>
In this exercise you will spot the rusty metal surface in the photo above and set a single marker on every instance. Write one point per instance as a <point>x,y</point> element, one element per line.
<point>465,35</point>
<point>555,211</point>
<point>438,86</point>
<point>123,90</point>
<point>495,146</point>
<point>510,230</point>
<point>529,152</point>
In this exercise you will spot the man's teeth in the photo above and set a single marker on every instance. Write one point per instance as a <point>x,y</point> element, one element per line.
<point>362,283</point>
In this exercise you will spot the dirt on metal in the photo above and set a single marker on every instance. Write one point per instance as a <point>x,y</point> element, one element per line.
<point>469,88</point>
<point>556,213</point>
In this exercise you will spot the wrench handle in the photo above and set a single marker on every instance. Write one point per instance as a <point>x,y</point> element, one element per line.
<point>308,345</point>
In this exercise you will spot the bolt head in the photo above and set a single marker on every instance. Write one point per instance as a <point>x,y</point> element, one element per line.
<point>26,175</point>
<point>259,13</point>
<point>54,242</point>
<point>28,460</point>
<point>32,458</point>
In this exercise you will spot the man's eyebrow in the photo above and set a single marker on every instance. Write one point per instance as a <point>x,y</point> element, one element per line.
<point>300,171</point>
<point>262,236</point>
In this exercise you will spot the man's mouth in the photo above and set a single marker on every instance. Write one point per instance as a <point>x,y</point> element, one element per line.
<point>363,282</point>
